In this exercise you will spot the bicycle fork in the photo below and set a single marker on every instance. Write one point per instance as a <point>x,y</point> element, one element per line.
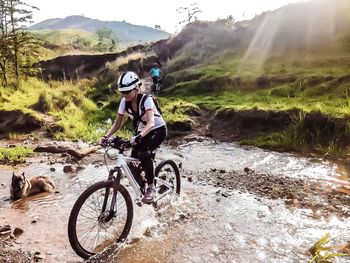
<point>106,216</point>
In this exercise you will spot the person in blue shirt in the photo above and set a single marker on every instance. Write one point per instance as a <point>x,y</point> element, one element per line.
<point>155,73</point>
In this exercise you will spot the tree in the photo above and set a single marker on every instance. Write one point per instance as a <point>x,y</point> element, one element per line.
<point>157,27</point>
<point>107,39</point>
<point>18,48</point>
<point>189,12</point>
<point>103,33</point>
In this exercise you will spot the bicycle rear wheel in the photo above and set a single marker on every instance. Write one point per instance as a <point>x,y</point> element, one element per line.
<point>167,178</point>
<point>157,89</point>
<point>92,226</point>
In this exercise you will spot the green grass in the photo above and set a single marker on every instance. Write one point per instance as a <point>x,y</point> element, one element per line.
<point>66,102</point>
<point>307,84</point>
<point>174,110</point>
<point>321,84</point>
<point>65,36</point>
<point>73,109</point>
<point>70,41</point>
<point>14,155</point>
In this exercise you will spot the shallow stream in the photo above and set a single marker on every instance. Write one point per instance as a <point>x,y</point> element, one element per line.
<point>202,225</point>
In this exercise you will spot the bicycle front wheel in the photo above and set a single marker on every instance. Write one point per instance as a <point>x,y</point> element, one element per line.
<point>94,224</point>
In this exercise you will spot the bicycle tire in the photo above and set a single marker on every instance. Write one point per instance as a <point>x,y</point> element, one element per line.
<point>72,222</point>
<point>176,174</point>
<point>157,89</point>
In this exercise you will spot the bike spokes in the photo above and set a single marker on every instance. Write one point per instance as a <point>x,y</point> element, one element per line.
<point>97,229</point>
<point>167,179</point>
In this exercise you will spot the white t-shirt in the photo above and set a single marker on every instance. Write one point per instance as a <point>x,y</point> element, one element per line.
<point>149,105</point>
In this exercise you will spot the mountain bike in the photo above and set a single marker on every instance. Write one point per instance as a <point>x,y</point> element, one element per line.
<point>103,213</point>
<point>156,88</point>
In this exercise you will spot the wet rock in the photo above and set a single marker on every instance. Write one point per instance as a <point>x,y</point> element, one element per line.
<point>135,240</point>
<point>5,230</point>
<point>71,169</point>
<point>68,169</point>
<point>248,170</point>
<point>260,214</point>
<point>288,202</point>
<point>18,231</point>
<point>38,256</point>
<point>52,169</point>
<point>225,194</point>
<point>183,216</point>
<point>148,232</point>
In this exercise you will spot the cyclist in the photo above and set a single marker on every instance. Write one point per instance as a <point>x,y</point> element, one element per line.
<point>155,74</point>
<point>150,126</point>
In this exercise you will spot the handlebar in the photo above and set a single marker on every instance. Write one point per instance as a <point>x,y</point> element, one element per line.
<point>117,143</point>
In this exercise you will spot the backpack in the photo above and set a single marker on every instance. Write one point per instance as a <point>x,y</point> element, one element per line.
<point>141,98</point>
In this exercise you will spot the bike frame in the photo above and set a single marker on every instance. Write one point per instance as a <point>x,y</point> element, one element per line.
<point>122,165</point>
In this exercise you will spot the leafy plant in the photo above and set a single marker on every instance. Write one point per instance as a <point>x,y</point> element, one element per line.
<point>14,155</point>
<point>322,252</point>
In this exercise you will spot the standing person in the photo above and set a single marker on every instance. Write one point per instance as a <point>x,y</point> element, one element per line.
<point>155,73</point>
<point>150,126</point>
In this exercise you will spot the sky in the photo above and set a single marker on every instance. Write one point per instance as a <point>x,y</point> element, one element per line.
<point>151,13</point>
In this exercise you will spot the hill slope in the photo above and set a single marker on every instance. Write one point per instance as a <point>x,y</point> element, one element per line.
<point>127,33</point>
<point>293,61</point>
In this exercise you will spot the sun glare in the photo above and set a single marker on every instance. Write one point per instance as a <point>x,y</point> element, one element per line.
<point>296,26</point>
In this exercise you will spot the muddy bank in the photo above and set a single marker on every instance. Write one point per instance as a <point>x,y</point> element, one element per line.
<point>296,193</point>
<point>17,121</point>
<point>308,132</point>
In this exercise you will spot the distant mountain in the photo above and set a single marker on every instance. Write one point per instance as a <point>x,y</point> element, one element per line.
<point>127,33</point>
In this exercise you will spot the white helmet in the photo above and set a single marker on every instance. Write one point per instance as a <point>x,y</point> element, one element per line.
<point>128,81</point>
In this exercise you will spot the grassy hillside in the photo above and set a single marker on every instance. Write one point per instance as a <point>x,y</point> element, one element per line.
<point>71,41</point>
<point>65,36</point>
<point>127,33</point>
<point>75,115</point>
<point>279,61</point>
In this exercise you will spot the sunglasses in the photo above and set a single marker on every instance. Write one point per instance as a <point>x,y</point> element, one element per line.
<point>126,92</point>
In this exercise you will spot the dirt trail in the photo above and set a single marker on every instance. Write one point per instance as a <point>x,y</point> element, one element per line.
<point>146,85</point>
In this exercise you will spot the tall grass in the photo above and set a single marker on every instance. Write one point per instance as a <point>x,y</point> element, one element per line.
<point>114,66</point>
<point>66,101</point>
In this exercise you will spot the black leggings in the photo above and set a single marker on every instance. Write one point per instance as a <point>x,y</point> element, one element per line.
<point>143,151</point>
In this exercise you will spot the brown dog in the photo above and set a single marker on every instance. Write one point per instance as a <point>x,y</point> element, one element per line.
<point>22,187</point>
